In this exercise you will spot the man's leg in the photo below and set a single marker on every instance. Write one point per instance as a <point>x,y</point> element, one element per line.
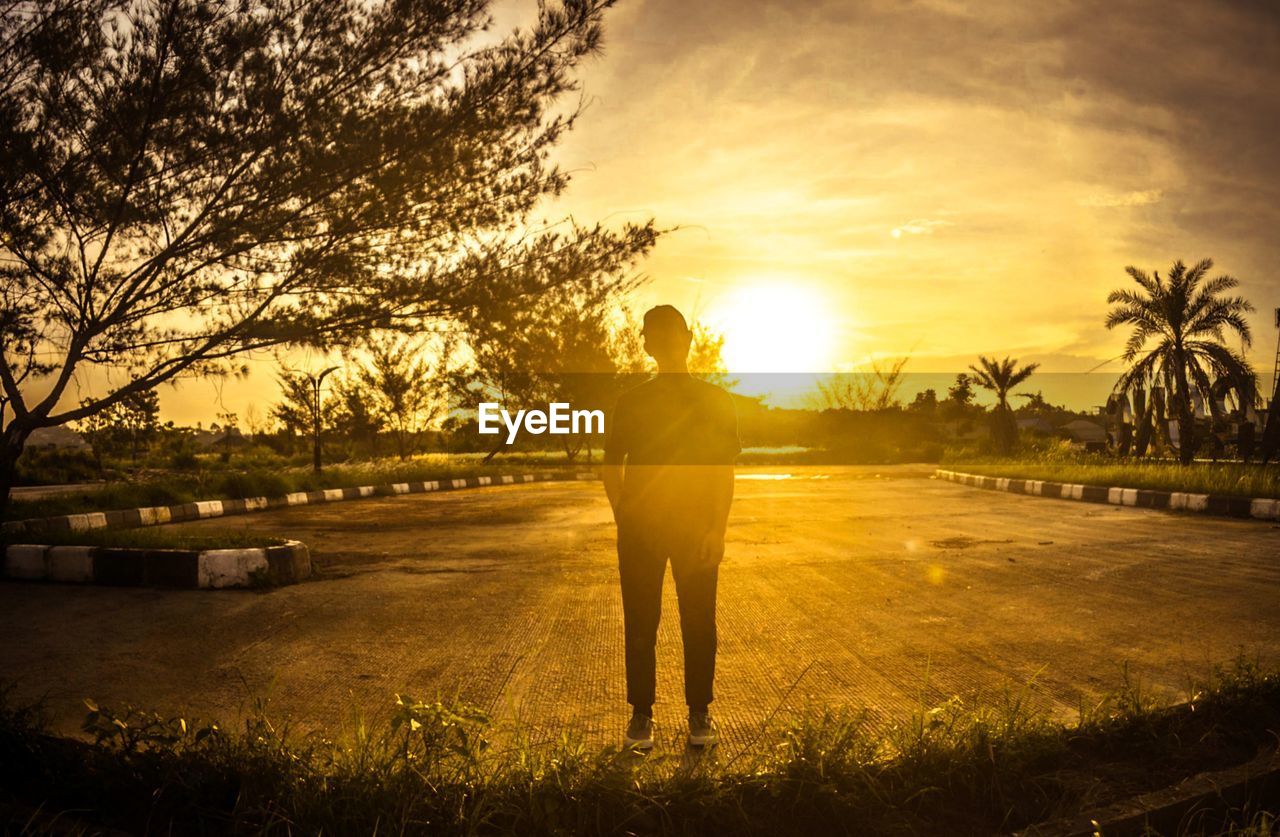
<point>641,565</point>
<point>696,592</point>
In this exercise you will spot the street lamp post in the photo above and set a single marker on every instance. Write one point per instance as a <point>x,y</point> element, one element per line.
<point>316,424</point>
<point>1271,430</point>
<point>1275,369</point>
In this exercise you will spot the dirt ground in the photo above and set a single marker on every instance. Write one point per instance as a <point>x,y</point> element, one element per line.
<point>865,587</point>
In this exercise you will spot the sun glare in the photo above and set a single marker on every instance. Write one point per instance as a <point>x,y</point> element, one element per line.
<point>775,327</point>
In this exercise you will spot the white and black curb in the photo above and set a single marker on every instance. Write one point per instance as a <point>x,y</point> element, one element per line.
<point>1253,507</point>
<point>173,568</point>
<point>155,515</point>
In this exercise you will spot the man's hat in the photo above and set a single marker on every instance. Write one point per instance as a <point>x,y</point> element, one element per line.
<point>664,318</point>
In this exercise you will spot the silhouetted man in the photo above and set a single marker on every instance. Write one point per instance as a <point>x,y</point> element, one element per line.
<point>668,471</point>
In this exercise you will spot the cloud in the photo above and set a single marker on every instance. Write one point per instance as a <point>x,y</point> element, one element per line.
<point>920,226</point>
<point>1145,197</point>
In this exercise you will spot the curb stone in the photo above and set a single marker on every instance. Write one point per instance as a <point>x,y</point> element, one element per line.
<point>155,515</point>
<point>1260,508</point>
<point>206,569</point>
<point>1177,808</point>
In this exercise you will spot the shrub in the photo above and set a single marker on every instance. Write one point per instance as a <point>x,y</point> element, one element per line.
<point>253,484</point>
<point>54,466</point>
<point>431,767</point>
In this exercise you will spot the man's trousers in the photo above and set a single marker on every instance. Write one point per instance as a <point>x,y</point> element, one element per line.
<point>643,552</point>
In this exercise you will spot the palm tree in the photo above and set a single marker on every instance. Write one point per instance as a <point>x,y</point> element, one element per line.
<point>1186,317</point>
<point>1001,376</point>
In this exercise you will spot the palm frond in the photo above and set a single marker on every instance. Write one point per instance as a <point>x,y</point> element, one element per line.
<point>1225,362</point>
<point>1133,315</point>
<point>1022,374</point>
<point>1152,286</point>
<point>1218,284</point>
<point>982,376</point>
<point>1196,274</point>
<point>1141,374</point>
<point>1137,339</point>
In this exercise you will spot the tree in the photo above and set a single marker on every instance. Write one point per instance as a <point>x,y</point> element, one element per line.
<point>187,180</point>
<point>354,415</point>
<point>958,406</point>
<point>863,391</point>
<point>706,356</point>
<point>1186,318</point>
<point>230,431</point>
<point>1037,405</point>
<point>579,363</point>
<point>253,422</point>
<point>297,412</point>
<point>405,390</point>
<point>1000,377</point>
<point>925,402</point>
<point>961,392</point>
<point>128,425</point>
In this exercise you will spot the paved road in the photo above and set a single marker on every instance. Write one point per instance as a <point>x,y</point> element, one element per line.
<point>860,586</point>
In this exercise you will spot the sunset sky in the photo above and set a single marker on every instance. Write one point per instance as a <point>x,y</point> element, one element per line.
<point>938,178</point>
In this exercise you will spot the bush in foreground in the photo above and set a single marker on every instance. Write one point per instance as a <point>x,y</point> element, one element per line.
<point>440,768</point>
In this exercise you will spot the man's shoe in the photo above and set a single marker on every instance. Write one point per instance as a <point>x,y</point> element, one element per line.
<point>702,730</point>
<point>639,733</point>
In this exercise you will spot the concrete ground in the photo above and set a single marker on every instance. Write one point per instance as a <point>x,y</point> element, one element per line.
<point>865,587</point>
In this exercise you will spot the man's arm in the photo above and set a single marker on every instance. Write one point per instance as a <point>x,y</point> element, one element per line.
<point>721,498</point>
<point>721,481</point>
<point>711,550</point>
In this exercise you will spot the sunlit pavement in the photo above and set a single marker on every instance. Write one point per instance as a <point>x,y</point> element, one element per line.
<point>865,587</point>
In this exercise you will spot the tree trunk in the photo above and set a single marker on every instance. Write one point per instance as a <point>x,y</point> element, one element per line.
<point>1004,429</point>
<point>497,448</point>
<point>11,445</point>
<point>1182,405</point>
<point>1186,432</point>
<point>1142,432</point>
<point>572,445</point>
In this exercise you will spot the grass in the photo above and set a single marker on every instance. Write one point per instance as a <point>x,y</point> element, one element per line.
<point>156,537</point>
<point>164,488</point>
<point>1060,464</point>
<point>441,768</point>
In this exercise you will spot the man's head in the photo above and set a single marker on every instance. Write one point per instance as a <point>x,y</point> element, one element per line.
<point>667,337</point>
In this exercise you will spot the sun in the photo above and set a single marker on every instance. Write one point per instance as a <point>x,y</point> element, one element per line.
<point>775,327</point>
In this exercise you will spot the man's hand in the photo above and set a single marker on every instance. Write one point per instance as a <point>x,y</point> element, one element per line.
<point>711,549</point>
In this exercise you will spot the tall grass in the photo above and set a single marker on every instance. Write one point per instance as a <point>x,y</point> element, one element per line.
<point>169,488</point>
<point>442,768</point>
<point>1060,463</point>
